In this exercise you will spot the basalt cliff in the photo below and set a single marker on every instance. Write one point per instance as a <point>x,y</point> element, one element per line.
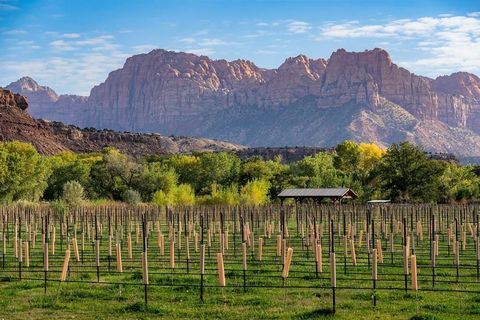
<point>362,96</point>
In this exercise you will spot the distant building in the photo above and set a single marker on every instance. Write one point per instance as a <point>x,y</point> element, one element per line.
<point>334,194</point>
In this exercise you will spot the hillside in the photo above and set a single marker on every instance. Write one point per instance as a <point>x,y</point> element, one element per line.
<point>53,137</point>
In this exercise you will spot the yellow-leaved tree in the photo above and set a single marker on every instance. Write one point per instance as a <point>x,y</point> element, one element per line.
<point>255,192</point>
<point>370,154</point>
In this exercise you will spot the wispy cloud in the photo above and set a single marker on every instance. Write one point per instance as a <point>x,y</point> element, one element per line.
<point>7,7</point>
<point>201,32</point>
<point>73,42</point>
<point>447,43</point>
<point>14,32</point>
<point>143,48</point>
<point>71,35</point>
<point>298,26</point>
<point>76,62</point>
<point>212,42</point>
<point>201,51</point>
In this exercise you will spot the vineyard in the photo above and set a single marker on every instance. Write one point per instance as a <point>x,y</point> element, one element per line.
<point>313,260</point>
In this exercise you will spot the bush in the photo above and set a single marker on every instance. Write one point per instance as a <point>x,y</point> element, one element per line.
<point>255,192</point>
<point>181,195</point>
<point>132,197</point>
<point>72,193</point>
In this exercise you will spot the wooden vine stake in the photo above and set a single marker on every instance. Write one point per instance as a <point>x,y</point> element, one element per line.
<point>260,249</point>
<point>129,247</point>
<point>288,261</point>
<point>414,272</point>
<point>119,258</point>
<point>75,249</point>
<point>26,251</point>
<point>352,251</point>
<point>319,258</point>
<point>145,269</point>
<point>172,255</point>
<point>63,276</point>
<point>221,271</point>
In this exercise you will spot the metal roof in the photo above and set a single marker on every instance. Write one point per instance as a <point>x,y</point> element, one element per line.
<point>320,192</point>
<point>379,201</point>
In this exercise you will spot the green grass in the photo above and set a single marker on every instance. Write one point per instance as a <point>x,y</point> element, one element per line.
<point>26,300</point>
<point>121,295</point>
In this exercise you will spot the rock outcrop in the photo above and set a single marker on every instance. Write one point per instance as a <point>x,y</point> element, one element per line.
<point>53,137</point>
<point>185,94</point>
<point>45,103</point>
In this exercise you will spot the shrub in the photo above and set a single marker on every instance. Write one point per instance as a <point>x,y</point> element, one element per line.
<point>255,192</point>
<point>72,193</point>
<point>132,197</point>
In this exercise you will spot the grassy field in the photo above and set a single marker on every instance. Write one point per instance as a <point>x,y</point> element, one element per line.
<point>26,300</point>
<point>175,294</point>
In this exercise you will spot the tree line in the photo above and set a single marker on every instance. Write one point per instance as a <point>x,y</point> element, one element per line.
<point>402,173</point>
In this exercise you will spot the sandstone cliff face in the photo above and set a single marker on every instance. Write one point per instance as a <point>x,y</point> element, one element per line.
<point>173,91</point>
<point>459,100</point>
<point>53,137</point>
<point>184,94</point>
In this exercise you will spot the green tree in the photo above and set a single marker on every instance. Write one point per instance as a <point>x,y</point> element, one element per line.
<point>202,170</point>
<point>153,177</point>
<point>276,173</point>
<point>458,183</point>
<point>23,172</point>
<point>347,157</point>
<point>406,174</point>
<point>68,166</point>
<point>113,174</point>
<point>317,172</point>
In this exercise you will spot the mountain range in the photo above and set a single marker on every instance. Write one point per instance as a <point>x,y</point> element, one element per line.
<point>362,96</point>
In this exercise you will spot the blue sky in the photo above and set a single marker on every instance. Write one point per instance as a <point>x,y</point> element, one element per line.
<point>72,45</point>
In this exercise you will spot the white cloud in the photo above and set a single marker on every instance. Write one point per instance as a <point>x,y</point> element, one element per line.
<point>187,40</point>
<point>201,51</point>
<point>266,52</point>
<point>298,27</point>
<point>201,33</point>
<point>71,35</point>
<point>212,42</point>
<point>15,32</point>
<point>448,43</point>
<point>75,65</point>
<point>72,42</point>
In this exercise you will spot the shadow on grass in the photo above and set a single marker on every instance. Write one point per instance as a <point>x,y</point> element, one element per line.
<point>139,307</point>
<point>423,317</point>
<point>318,313</point>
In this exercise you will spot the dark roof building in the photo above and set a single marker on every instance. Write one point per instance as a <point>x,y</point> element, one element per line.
<point>335,194</point>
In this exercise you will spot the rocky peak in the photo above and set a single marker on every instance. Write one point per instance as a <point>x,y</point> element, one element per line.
<point>301,65</point>
<point>37,93</point>
<point>459,83</point>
